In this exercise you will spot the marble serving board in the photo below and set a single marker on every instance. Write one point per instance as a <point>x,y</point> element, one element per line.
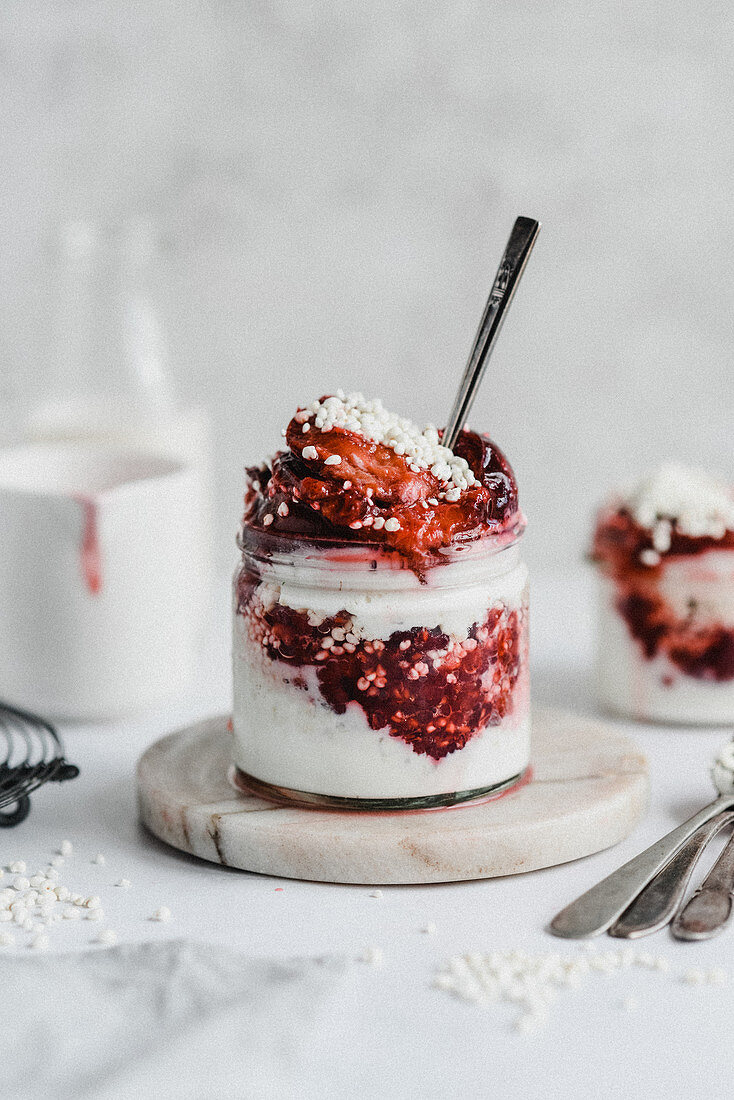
<point>589,789</point>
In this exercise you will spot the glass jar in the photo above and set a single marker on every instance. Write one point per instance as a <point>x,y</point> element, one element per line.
<point>665,649</point>
<point>359,684</point>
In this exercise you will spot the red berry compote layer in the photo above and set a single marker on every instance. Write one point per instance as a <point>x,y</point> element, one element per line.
<point>666,557</point>
<point>380,611</point>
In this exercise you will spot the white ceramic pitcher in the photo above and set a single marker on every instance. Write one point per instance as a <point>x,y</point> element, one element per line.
<point>103,578</point>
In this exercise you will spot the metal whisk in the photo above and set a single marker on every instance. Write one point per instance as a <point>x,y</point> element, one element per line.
<point>31,754</point>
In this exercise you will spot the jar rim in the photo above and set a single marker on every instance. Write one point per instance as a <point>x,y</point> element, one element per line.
<point>279,549</point>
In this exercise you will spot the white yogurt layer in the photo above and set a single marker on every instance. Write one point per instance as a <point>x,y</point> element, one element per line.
<point>704,580</point>
<point>388,601</point>
<point>630,684</point>
<point>290,737</point>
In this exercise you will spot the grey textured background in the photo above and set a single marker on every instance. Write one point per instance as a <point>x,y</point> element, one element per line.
<point>335,183</point>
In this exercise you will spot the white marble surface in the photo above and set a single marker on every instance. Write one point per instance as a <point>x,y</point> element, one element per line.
<point>393,1035</point>
<point>335,183</point>
<point>587,791</point>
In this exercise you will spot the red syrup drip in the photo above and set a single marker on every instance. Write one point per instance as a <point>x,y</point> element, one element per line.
<point>435,708</point>
<point>701,650</point>
<point>90,554</point>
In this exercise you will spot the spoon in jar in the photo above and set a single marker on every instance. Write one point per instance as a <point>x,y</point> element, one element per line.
<point>603,905</point>
<point>519,246</point>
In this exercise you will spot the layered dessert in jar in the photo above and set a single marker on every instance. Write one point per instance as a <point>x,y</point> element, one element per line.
<point>380,616</point>
<point>665,556</point>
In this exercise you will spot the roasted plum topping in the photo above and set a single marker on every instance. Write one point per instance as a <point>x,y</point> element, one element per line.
<point>335,483</point>
<point>701,649</point>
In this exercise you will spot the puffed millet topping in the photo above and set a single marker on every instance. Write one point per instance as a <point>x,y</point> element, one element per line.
<point>700,505</point>
<point>421,448</point>
<point>373,956</point>
<point>533,982</point>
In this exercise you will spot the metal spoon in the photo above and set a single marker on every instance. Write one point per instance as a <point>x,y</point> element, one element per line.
<point>710,909</point>
<point>598,909</point>
<point>603,905</point>
<point>519,246</point>
<point>656,905</point>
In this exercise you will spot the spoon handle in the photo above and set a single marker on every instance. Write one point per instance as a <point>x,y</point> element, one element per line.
<point>655,906</point>
<point>598,909</point>
<point>710,908</point>
<point>519,246</point>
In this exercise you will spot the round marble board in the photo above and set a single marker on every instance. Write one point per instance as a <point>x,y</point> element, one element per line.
<point>588,791</point>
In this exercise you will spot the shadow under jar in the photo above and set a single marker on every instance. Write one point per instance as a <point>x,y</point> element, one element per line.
<point>360,684</point>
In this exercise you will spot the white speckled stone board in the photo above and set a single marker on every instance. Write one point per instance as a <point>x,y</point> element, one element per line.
<point>589,789</point>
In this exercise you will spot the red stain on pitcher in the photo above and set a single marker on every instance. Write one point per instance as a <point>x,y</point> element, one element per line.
<point>90,556</point>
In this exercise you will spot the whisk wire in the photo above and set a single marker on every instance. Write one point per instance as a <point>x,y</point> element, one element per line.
<point>31,754</point>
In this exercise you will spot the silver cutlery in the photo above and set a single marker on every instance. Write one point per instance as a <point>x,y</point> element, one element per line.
<point>598,909</point>
<point>519,246</point>
<point>656,905</point>
<point>710,908</point>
